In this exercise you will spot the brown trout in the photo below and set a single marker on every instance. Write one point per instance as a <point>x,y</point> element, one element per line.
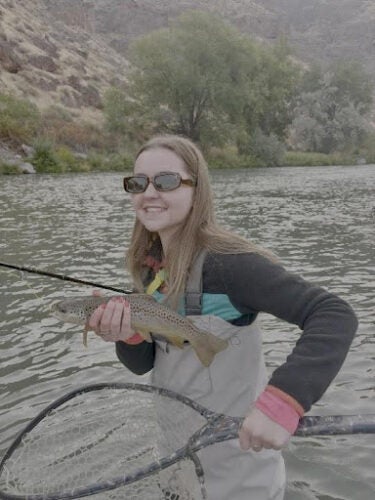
<point>147,317</point>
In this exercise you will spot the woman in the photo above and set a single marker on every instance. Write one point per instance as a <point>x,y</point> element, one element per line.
<point>180,254</point>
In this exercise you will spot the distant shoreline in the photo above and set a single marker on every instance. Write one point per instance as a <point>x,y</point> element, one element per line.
<point>13,170</point>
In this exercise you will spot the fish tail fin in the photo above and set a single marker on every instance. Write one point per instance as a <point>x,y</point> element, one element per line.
<point>207,346</point>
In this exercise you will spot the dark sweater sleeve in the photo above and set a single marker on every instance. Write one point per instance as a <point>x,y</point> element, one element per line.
<point>137,358</point>
<point>255,284</point>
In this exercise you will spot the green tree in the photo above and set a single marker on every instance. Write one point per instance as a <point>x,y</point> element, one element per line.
<point>190,76</point>
<point>202,78</point>
<point>331,110</point>
<point>353,85</point>
<point>272,84</point>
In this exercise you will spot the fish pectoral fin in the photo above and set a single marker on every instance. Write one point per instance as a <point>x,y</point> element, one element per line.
<point>145,334</point>
<point>176,340</point>
<point>84,339</point>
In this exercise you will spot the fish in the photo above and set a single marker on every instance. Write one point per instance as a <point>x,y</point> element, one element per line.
<point>148,317</point>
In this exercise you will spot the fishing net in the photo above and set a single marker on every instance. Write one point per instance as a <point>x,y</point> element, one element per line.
<point>128,441</point>
<point>100,435</point>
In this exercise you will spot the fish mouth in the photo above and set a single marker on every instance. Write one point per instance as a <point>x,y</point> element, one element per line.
<point>53,307</point>
<point>56,307</point>
<point>58,311</point>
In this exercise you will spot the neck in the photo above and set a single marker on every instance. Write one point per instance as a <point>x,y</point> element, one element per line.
<point>166,238</point>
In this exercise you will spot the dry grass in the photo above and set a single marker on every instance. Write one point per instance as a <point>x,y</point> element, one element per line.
<point>47,48</point>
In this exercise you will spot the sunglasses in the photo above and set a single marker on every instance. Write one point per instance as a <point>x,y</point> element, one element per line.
<point>164,181</point>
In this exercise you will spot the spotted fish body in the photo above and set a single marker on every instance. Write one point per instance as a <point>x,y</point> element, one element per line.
<point>148,316</point>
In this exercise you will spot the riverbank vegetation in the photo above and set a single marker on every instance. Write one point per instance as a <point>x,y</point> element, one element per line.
<point>247,104</point>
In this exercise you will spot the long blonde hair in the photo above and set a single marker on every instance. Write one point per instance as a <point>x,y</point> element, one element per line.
<point>199,231</point>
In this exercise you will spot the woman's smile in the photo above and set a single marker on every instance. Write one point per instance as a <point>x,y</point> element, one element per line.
<point>154,209</point>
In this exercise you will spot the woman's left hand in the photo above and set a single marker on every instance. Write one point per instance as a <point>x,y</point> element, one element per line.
<point>258,431</point>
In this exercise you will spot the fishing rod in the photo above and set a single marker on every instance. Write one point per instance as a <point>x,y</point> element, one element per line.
<point>62,277</point>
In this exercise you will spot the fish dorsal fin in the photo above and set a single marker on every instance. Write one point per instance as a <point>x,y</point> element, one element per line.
<point>143,296</point>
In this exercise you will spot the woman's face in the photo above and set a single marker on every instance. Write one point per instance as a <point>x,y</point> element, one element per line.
<point>162,212</point>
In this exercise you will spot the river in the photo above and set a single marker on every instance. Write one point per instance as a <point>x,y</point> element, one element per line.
<point>319,220</point>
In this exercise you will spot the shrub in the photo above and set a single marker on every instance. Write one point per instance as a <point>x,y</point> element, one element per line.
<point>44,158</point>
<point>66,160</point>
<point>95,161</point>
<point>367,151</point>
<point>261,149</point>
<point>119,162</point>
<point>312,159</point>
<point>19,119</point>
<point>225,157</point>
<point>7,169</point>
<point>228,157</point>
<point>58,126</point>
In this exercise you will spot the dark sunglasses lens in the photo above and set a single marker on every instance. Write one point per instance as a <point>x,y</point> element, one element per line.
<point>135,184</point>
<point>167,182</point>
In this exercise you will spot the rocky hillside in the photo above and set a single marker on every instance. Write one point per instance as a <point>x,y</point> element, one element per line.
<point>68,52</point>
<point>316,29</point>
<point>50,61</point>
<point>324,30</point>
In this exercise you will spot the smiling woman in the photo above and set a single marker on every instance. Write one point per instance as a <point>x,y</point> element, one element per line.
<point>180,254</point>
<point>162,211</point>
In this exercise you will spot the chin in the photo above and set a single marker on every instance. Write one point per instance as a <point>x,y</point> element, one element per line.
<point>153,227</point>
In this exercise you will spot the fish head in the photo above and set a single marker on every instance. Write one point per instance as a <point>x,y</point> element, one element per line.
<point>70,311</point>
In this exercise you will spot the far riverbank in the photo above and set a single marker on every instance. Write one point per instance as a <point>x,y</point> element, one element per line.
<point>63,160</point>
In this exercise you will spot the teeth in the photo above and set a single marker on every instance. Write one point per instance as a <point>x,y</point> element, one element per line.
<point>154,209</point>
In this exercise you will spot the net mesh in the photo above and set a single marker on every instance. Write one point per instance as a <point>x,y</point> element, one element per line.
<point>101,435</point>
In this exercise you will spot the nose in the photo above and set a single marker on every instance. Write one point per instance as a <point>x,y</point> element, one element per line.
<point>151,191</point>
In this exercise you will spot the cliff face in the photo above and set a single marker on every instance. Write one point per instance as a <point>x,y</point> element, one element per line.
<point>325,30</point>
<point>68,52</point>
<point>316,29</point>
<point>48,60</point>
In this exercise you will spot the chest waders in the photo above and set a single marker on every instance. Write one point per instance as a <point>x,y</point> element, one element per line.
<point>229,385</point>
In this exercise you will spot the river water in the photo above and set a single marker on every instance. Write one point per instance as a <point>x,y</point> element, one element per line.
<point>321,223</point>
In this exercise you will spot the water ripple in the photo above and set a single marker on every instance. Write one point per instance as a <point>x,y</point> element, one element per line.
<point>318,220</point>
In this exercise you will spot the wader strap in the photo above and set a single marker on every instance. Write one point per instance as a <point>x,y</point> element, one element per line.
<point>193,293</point>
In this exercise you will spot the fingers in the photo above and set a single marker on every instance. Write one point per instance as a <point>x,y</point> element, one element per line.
<point>111,320</point>
<point>259,432</point>
<point>95,318</point>
<point>126,330</point>
<point>249,440</point>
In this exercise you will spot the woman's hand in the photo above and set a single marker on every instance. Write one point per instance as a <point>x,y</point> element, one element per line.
<point>258,431</point>
<point>111,320</point>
